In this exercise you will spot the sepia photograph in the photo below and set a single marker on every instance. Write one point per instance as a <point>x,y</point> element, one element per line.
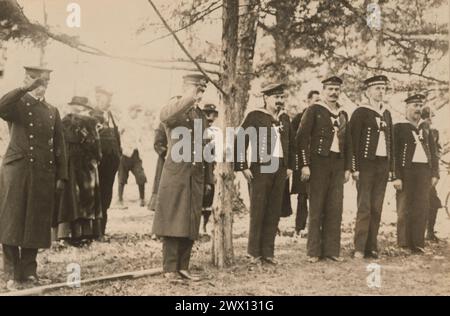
<point>245,150</point>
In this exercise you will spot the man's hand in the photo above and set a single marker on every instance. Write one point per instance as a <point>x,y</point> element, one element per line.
<point>34,84</point>
<point>398,184</point>
<point>434,181</point>
<point>306,173</point>
<point>60,184</point>
<point>347,175</point>
<point>288,173</point>
<point>248,175</point>
<point>208,189</point>
<point>355,175</point>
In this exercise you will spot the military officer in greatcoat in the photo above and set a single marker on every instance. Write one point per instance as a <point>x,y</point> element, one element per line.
<point>183,179</point>
<point>33,168</point>
<point>271,164</point>
<point>416,171</point>
<point>373,162</point>
<point>160,146</point>
<point>325,153</point>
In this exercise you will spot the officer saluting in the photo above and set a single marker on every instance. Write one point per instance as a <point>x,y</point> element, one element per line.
<point>373,149</point>
<point>180,192</point>
<point>325,154</point>
<point>266,177</point>
<point>33,167</point>
<point>416,171</point>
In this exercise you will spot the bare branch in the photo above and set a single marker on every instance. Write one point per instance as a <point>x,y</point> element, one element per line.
<point>184,48</point>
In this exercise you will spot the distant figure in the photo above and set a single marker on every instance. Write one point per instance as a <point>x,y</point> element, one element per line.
<point>79,213</point>
<point>211,114</point>
<point>131,159</point>
<point>33,170</point>
<point>160,146</point>
<point>435,202</point>
<point>111,150</point>
<point>299,187</point>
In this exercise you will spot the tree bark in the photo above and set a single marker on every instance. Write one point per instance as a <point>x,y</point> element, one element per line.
<point>238,45</point>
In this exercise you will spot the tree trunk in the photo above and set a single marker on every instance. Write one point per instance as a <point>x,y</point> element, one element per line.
<point>238,46</point>
<point>222,246</point>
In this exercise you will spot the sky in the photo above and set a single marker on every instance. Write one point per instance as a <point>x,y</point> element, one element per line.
<point>109,25</point>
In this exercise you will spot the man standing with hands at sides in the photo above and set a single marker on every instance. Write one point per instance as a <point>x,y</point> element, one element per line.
<point>182,185</point>
<point>416,171</point>
<point>111,150</point>
<point>34,166</point>
<point>373,163</point>
<point>325,152</point>
<point>272,163</point>
<point>300,187</point>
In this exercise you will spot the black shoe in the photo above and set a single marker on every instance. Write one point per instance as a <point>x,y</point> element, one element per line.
<point>270,260</point>
<point>371,254</point>
<point>186,275</point>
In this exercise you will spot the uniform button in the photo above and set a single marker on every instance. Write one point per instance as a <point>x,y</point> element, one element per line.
<point>51,162</point>
<point>30,113</point>
<point>31,160</point>
<point>51,150</point>
<point>31,136</point>
<point>51,117</point>
<point>52,128</point>
<point>31,148</point>
<point>28,104</point>
<point>31,124</point>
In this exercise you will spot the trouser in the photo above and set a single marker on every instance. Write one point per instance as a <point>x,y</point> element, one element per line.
<point>373,178</point>
<point>141,191</point>
<point>302,212</point>
<point>107,173</point>
<point>413,205</point>
<point>132,164</point>
<point>208,200</point>
<point>325,205</point>
<point>176,253</point>
<point>19,263</point>
<point>435,205</point>
<point>266,197</point>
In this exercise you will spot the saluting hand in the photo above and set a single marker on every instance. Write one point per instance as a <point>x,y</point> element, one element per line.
<point>34,84</point>
<point>306,173</point>
<point>398,184</point>
<point>248,175</point>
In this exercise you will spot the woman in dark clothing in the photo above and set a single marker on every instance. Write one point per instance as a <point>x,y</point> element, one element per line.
<point>79,212</point>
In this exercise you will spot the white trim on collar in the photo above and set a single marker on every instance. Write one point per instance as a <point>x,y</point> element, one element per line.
<point>323,104</point>
<point>380,111</point>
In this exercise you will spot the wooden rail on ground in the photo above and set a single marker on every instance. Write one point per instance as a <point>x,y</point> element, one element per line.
<point>112,277</point>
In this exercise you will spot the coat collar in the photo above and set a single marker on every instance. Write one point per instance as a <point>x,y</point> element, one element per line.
<point>323,104</point>
<point>378,111</point>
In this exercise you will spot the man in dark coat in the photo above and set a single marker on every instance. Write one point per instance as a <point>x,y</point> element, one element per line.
<point>373,162</point>
<point>183,179</point>
<point>299,187</point>
<point>271,164</point>
<point>416,172</point>
<point>33,168</point>
<point>435,202</point>
<point>111,150</point>
<point>325,154</point>
<point>160,146</point>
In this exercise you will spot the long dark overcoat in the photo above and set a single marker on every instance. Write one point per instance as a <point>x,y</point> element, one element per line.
<point>34,160</point>
<point>180,192</point>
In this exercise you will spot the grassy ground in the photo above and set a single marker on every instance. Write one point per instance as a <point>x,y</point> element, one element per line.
<point>131,248</point>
